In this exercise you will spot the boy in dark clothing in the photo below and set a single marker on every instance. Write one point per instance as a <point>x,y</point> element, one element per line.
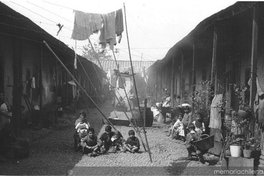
<point>90,144</point>
<point>190,138</point>
<point>106,139</point>
<point>118,142</point>
<point>132,143</point>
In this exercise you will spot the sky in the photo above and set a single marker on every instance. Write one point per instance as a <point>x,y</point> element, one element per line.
<point>153,27</point>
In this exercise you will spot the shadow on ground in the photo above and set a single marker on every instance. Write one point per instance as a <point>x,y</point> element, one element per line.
<point>177,167</point>
<point>51,150</point>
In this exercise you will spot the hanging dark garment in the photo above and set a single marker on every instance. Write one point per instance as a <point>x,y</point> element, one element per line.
<point>85,24</point>
<point>119,24</point>
<point>107,33</point>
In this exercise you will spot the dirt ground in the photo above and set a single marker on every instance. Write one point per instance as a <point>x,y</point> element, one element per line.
<point>52,153</point>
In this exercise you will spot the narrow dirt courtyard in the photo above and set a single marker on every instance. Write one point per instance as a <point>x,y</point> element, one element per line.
<point>53,154</point>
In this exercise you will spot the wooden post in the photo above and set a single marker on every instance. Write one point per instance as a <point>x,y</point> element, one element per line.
<point>253,63</point>
<point>40,85</point>
<point>156,86</point>
<point>161,83</point>
<point>193,77</point>
<point>172,82</point>
<point>213,69</point>
<point>17,85</point>
<point>130,58</point>
<point>180,82</point>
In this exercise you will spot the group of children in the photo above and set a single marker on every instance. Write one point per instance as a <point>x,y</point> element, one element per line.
<point>181,126</point>
<point>189,131</point>
<point>110,141</point>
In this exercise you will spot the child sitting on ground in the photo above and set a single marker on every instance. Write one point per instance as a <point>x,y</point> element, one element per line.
<point>132,142</point>
<point>90,144</point>
<point>118,142</point>
<point>105,138</point>
<point>199,124</point>
<point>81,129</point>
<point>177,131</point>
<point>190,138</point>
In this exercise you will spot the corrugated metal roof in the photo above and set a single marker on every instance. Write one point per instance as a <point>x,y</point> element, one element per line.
<point>124,65</point>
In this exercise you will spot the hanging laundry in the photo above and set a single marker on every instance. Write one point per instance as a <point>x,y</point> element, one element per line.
<point>85,24</point>
<point>107,32</point>
<point>119,82</point>
<point>259,102</point>
<point>119,24</point>
<point>215,114</point>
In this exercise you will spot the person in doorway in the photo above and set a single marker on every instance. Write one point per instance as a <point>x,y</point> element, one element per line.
<point>167,101</point>
<point>132,143</point>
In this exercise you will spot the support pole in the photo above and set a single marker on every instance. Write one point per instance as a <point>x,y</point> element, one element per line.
<point>181,82</point>
<point>135,82</point>
<point>193,77</point>
<point>78,84</point>
<point>17,88</point>
<point>253,71</point>
<point>172,83</point>
<point>213,69</point>
<point>135,127</point>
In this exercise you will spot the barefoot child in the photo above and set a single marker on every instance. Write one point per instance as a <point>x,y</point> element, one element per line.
<point>105,138</point>
<point>90,143</point>
<point>132,143</point>
<point>118,142</point>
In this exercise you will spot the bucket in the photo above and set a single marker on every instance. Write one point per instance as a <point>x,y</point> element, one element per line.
<point>247,153</point>
<point>235,150</point>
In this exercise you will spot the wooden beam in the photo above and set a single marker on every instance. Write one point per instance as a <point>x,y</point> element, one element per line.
<point>180,82</point>
<point>172,82</point>
<point>214,69</point>
<point>17,88</point>
<point>253,72</point>
<point>193,76</point>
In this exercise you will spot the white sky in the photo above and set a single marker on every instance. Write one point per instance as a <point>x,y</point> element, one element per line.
<point>154,26</point>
